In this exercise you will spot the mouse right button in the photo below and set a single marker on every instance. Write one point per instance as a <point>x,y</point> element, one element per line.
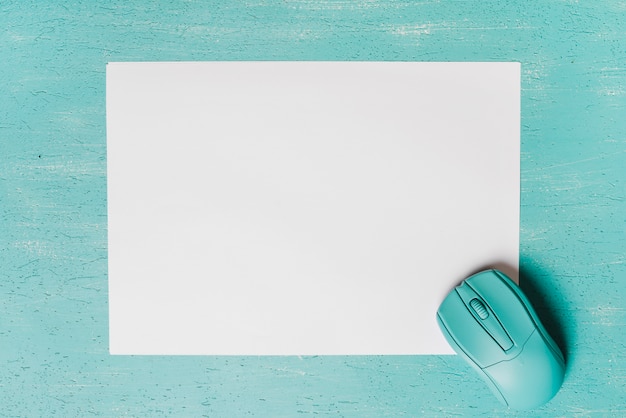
<point>503,300</point>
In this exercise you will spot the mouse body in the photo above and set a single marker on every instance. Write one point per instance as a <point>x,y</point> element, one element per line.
<point>490,323</point>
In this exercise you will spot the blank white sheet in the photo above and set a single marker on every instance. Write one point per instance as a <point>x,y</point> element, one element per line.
<point>304,208</point>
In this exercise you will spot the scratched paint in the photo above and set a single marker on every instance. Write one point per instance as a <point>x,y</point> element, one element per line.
<point>53,267</point>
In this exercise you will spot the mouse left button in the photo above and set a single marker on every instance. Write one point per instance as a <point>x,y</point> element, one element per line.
<point>469,336</point>
<point>485,316</point>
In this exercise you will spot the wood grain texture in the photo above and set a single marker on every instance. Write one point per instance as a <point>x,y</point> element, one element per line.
<point>53,245</point>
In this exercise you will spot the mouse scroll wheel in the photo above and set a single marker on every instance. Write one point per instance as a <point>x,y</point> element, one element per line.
<point>479,308</point>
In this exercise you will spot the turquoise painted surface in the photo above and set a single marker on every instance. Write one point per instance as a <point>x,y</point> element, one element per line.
<point>53,251</point>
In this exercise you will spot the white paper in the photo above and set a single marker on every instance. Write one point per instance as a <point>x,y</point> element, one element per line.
<point>304,208</point>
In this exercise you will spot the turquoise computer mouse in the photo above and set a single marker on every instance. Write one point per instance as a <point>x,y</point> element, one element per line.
<point>490,323</point>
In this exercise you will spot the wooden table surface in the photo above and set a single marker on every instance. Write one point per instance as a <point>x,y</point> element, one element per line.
<point>54,357</point>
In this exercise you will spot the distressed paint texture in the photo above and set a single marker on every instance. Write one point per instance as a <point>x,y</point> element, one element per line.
<point>53,246</point>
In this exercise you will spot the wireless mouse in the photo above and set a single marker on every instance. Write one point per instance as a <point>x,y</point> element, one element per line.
<point>490,323</point>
